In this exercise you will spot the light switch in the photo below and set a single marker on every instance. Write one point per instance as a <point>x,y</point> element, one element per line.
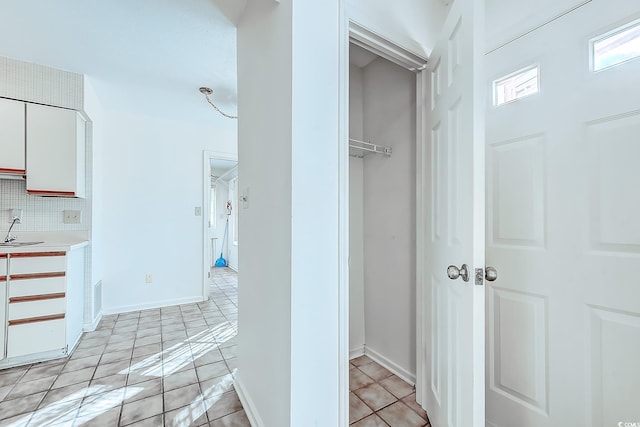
<point>198,211</point>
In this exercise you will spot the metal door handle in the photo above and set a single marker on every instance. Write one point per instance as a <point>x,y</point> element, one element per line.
<point>454,272</point>
<point>490,274</point>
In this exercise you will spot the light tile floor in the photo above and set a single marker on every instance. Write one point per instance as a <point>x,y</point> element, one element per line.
<point>171,366</point>
<point>378,398</point>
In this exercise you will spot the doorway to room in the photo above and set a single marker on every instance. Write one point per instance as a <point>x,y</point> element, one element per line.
<point>382,246</point>
<point>220,217</point>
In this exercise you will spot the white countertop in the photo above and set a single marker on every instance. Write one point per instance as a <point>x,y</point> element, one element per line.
<point>52,241</point>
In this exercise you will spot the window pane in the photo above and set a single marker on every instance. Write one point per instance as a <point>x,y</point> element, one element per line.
<point>616,48</point>
<point>515,86</point>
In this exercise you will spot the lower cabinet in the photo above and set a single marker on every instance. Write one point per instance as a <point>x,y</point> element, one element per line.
<point>36,337</point>
<point>38,307</point>
<point>3,306</point>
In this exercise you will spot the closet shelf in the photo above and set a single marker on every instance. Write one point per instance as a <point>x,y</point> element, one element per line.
<point>362,148</point>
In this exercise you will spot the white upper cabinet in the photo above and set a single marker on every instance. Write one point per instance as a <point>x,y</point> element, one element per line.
<point>55,151</point>
<point>12,140</point>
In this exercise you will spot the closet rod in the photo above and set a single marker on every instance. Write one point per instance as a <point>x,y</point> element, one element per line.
<point>369,147</point>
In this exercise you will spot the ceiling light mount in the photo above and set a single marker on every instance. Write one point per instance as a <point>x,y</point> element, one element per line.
<point>207,91</point>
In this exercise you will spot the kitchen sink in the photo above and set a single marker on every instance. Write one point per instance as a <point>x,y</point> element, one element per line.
<point>17,244</point>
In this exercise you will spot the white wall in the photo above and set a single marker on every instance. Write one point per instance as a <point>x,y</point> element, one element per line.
<point>264,164</point>
<point>356,220</point>
<point>412,24</point>
<point>152,182</point>
<point>288,341</point>
<point>389,216</point>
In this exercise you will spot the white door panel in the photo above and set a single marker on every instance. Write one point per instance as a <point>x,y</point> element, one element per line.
<point>451,372</point>
<point>563,230</point>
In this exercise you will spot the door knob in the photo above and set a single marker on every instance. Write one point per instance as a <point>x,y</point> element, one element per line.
<point>490,274</point>
<point>454,272</point>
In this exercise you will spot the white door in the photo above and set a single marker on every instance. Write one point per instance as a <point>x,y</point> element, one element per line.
<point>563,231</point>
<point>451,174</point>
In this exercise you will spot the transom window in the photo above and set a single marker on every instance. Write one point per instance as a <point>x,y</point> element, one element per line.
<point>615,47</point>
<point>516,85</point>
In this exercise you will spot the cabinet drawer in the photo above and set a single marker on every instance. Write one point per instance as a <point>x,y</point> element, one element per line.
<point>41,286</point>
<point>34,309</point>
<point>36,337</point>
<point>37,262</point>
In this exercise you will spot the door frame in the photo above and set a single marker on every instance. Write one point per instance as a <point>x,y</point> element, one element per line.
<point>354,32</point>
<point>207,156</point>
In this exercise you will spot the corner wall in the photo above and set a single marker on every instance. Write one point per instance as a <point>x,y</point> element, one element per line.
<point>289,361</point>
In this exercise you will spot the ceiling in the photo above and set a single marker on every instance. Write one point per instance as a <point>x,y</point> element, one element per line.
<point>151,56</point>
<point>145,55</point>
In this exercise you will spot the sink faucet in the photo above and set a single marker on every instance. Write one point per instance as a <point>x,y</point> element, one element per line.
<point>8,238</point>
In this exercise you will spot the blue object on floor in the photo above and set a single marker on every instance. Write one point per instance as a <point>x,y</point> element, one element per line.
<point>221,262</point>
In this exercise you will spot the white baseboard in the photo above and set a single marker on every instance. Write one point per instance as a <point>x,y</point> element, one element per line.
<point>154,304</point>
<point>247,403</point>
<point>356,352</point>
<point>90,327</point>
<point>393,367</point>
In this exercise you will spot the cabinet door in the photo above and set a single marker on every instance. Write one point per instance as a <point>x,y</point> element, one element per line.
<point>36,336</point>
<point>3,301</point>
<point>55,151</point>
<point>12,145</point>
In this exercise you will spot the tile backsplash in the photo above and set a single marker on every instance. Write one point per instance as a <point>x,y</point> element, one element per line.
<point>38,213</point>
<point>44,85</point>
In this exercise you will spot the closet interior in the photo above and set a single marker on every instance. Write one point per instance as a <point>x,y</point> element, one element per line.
<point>382,163</point>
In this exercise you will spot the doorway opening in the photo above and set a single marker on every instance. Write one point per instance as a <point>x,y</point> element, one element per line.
<point>219,219</point>
<point>382,234</point>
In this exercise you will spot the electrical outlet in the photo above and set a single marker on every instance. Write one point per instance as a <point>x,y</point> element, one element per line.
<point>148,278</point>
<point>72,217</point>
